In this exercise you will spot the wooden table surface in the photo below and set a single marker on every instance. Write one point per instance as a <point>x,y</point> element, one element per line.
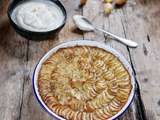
<point>138,20</point>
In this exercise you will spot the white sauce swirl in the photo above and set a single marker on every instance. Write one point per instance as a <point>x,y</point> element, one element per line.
<point>38,15</point>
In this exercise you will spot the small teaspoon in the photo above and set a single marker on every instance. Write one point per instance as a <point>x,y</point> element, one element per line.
<point>85,25</point>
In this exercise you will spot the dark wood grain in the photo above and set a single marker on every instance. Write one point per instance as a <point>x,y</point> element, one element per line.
<point>13,51</point>
<point>114,24</point>
<point>145,58</point>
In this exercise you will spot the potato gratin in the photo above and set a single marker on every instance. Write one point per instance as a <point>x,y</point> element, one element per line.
<point>84,83</point>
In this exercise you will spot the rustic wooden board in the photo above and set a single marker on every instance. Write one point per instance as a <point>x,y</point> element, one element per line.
<point>31,109</point>
<point>114,24</point>
<point>139,20</point>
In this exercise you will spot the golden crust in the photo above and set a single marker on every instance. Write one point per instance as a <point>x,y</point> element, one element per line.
<point>84,83</point>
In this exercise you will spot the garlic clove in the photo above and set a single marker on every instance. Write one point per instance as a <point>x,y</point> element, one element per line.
<point>108,7</point>
<point>108,1</point>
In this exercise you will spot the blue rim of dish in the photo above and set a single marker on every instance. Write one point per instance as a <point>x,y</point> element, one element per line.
<point>51,113</point>
<point>37,96</point>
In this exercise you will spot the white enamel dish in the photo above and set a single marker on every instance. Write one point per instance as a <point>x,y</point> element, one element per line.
<point>81,43</point>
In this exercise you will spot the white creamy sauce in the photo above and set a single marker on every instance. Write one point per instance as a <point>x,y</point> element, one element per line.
<point>81,24</point>
<point>38,15</point>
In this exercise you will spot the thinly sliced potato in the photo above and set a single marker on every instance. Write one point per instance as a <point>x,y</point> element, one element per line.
<point>84,83</point>
<point>100,114</point>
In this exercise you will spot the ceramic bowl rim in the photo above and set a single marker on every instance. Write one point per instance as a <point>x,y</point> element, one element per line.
<point>13,5</point>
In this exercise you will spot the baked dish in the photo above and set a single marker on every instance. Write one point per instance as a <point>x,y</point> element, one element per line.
<point>84,83</point>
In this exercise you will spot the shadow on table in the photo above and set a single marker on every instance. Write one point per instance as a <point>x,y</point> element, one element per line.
<point>12,43</point>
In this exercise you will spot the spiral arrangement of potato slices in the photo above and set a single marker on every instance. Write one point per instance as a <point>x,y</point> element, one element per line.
<point>84,83</point>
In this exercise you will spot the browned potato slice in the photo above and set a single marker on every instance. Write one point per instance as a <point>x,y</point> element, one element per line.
<point>107,111</point>
<point>91,116</point>
<point>114,106</point>
<point>108,96</point>
<point>121,75</point>
<point>95,117</point>
<point>121,98</point>
<point>108,58</point>
<point>100,114</point>
<point>78,116</point>
<point>92,105</point>
<point>56,108</point>
<point>66,112</point>
<point>108,75</point>
<point>112,110</point>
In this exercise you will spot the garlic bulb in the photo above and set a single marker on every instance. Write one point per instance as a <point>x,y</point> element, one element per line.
<point>108,1</point>
<point>108,8</point>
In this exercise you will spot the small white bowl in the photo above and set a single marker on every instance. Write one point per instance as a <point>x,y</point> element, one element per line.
<point>81,43</point>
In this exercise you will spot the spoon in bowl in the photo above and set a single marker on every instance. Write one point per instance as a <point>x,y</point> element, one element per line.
<point>85,25</point>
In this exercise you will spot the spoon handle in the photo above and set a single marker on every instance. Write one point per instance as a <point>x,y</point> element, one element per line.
<point>123,40</point>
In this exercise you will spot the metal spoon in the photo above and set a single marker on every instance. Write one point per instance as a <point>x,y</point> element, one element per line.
<point>84,24</point>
